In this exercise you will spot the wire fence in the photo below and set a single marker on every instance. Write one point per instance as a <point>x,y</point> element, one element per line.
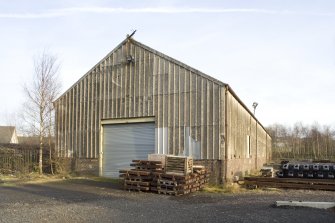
<point>21,158</point>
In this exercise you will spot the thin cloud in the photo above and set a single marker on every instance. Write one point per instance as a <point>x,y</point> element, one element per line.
<point>160,10</point>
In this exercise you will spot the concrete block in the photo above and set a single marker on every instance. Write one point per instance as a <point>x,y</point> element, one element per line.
<point>320,205</point>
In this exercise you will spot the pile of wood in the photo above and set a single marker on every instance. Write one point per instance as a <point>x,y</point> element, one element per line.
<point>151,176</point>
<point>176,184</point>
<point>139,178</point>
<point>178,165</point>
<point>290,183</point>
<point>146,165</point>
<point>136,180</point>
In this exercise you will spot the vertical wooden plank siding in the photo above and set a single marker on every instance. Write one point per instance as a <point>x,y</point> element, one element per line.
<point>222,133</point>
<point>180,148</point>
<point>66,124</point>
<point>171,111</point>
<point>176,102</point>
<point>72,117</point>
<point>187,105</point>
<point>80,117</point>
<point>203,125</point>
<point>56,106</point>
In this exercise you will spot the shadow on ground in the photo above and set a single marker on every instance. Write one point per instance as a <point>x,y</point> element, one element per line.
<point>73,190</point>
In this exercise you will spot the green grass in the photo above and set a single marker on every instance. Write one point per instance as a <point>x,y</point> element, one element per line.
<point>37,178</point>
<point>227,189</point>
<point>8,181</point>
<point>8,184</point>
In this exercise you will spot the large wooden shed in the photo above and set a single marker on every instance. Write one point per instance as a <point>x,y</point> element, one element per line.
<point>137,101</point>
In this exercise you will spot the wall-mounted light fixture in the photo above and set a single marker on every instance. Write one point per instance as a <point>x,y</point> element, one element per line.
<point>130,59</point>
<point>254,105</point>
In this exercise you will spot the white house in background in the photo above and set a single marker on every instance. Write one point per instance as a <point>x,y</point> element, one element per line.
<point>8,134</point>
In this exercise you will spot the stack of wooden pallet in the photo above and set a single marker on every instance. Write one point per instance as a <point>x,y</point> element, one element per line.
<point>176,184</point>
<point>146,165</point>
<point>136,179</point>
<point>177,178</point>
<point>139,178</point>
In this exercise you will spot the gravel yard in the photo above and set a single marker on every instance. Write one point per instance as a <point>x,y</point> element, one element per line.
<point>84,200</point>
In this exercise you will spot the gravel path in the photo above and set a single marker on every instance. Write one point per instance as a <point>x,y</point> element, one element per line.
<point>90,201</point>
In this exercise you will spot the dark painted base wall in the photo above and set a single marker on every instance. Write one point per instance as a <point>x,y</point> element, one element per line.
<point>91,167</point>
<point>87,166</point>
<point>216,169</point>
<point>80,166</point>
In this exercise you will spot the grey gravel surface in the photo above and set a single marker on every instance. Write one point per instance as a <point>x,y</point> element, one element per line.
<point>91,201</point>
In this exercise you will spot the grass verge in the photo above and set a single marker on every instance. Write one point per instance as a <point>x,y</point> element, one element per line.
<point>228,189</point>
<point>105,180</point>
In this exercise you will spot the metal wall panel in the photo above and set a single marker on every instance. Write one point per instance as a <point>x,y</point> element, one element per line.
<point>185,102</point>
<point>195,114</point>
<point>125,142</point>
<point>242,126</point>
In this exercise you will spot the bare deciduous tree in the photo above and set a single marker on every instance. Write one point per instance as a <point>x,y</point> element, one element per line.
<point>40,93</point>
<point>303,142</point>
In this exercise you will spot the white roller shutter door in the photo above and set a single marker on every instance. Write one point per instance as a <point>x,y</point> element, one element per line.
<point>123,143</point>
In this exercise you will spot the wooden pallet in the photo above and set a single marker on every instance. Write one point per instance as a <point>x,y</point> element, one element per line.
<point>137,180</point>
<point>149,176</point>
<point>157,157</point>
<point>171,192</point>
<point>140,177</point>
<point>292,183</point>
<point>135,172</point>
<point>136,188</point>
<point>176,184</point>
<point>181,165</point>
<point>136,183</point>
<point>155,166</point>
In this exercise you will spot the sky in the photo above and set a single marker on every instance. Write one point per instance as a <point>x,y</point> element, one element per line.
<point>278,53</point>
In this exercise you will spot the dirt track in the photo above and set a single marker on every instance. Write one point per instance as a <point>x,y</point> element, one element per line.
<point>90,201</point>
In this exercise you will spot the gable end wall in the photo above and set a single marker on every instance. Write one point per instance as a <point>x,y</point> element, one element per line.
<point>185,104</point>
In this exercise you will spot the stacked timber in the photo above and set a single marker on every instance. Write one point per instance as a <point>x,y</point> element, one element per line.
<point>177,184</point>
<point>290,183</point>
<point>146,165</point>
<point>157,157</point>
<point>178,165</point>
<point>178,177</point>
<point>298,175</point>
<point>139,178</point>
